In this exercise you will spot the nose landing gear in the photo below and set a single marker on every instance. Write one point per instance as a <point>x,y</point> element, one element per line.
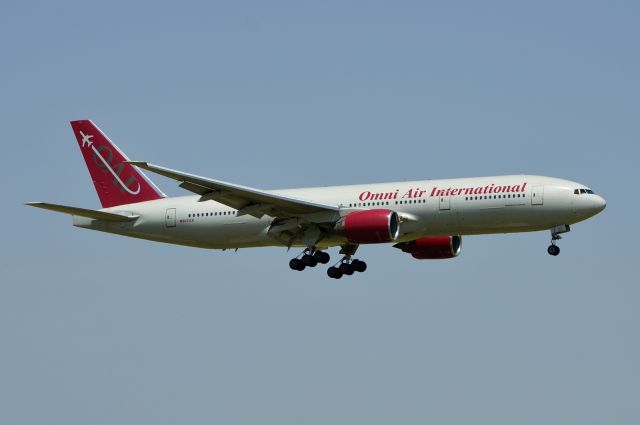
<point>554,249</point>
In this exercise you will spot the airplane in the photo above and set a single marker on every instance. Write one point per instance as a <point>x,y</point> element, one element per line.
<point>426,219</point>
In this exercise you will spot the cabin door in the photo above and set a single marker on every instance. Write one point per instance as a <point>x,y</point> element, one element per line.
<point>445,203</point>
<point>170,217</point>
<point>537,195</point>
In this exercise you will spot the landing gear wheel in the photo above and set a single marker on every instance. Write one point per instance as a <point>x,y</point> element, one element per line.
<point>347,269</point>
<point>553,250</point>
<point>309,260</point>
<point>296,264</point>
<point>334,273</point>
<point>322,257</point>
<point>359,266</point>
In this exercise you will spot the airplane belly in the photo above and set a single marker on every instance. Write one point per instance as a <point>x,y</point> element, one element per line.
<point>235,233</point>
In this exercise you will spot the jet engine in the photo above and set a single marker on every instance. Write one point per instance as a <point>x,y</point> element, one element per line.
<point>432,247</point>
<point>371,226</point>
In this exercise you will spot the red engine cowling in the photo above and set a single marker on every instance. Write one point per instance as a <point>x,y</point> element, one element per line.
<point>371,226</point>
<point>432,247</point>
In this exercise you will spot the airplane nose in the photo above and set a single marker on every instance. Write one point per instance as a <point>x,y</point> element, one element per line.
<point>599,204</point>
<point>589,205</point>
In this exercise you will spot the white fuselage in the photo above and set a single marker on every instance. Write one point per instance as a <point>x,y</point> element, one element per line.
<point>467,206</point>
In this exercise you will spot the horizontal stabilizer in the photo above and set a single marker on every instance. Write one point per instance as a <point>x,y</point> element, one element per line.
<point>83,212</point>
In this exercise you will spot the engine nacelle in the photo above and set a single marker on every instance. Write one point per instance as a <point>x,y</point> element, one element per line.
<point>371,226</point>
<point>432,247</point>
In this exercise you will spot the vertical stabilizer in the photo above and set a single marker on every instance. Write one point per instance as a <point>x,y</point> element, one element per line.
<point>116,182</point>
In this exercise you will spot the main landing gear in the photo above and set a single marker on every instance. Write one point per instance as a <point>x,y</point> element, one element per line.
<point>309,258</point>
<point>346,266</point>
<point>554,249</point>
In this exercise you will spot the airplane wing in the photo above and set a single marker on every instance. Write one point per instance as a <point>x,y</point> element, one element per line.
<point>246,200</point>
<point>83,212</point>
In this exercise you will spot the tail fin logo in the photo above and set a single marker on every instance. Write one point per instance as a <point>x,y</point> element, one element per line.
<point>105,165</point>
<point>86,139</point>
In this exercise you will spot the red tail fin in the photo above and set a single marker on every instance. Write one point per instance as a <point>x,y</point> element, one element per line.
<point>116,182</point>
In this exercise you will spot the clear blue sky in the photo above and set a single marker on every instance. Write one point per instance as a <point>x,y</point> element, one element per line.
<point>99,329</point>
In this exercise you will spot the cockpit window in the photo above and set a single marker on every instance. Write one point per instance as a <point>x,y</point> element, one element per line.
<point>583,191</point>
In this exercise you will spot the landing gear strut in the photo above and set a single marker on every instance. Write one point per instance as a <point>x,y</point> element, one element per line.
<point>310,257</point>
<point>554,249</point>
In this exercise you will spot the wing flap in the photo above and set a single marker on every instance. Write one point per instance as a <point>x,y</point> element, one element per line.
<point>83,212</point>
<point>195,188</point>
